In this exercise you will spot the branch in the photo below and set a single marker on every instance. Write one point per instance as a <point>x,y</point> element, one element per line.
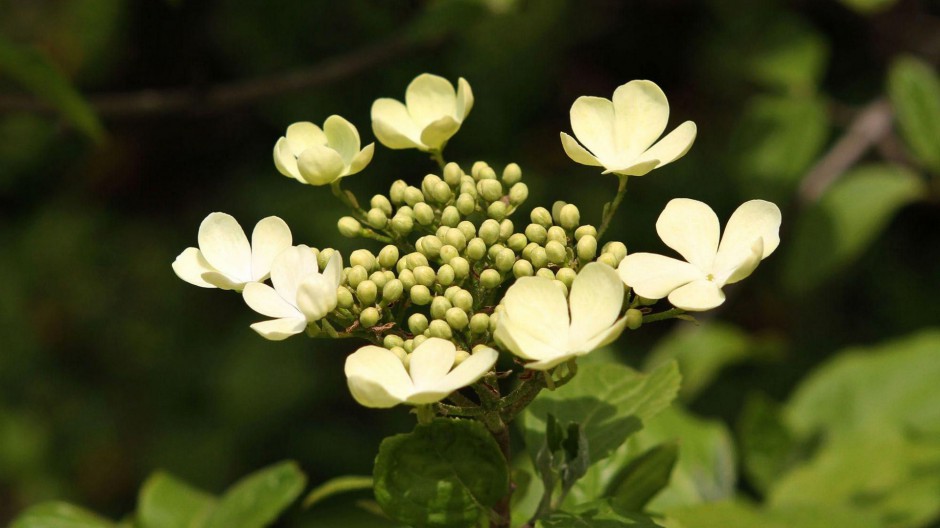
<point>223,97</point>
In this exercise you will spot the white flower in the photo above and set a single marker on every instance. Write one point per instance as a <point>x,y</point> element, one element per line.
<point>301,294</point>
<point>691,228</point>
<point>535,324</point>
<point>320,157</point>
<point>432,113</point>
<point>620,134</point>
<point>377,377</point>
<point>225,259</point>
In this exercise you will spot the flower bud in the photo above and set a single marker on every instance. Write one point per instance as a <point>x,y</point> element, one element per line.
<point>413,196</point>
<point>450,217</point>
<point>349,227</point>
<point>487,173</point>
<point>415,259</point>
<point>460,357</point>
<point>430,246</point>
<point>505,260</point>
<point>505,229</point>
<point>428,183</point>
<point>401,353</point>
<point>512,174</point>
<point>522,268</point>
<point>566,275</point>
<point>545,273</point>
<point>419,339</point>
<point>379,278</point>
<point>364,258</point>
<point>356,275</point>
<point>449,253</point>
<point>441,192</point>
<point>456,238</point>
<point>425,276</point>
<point>569,217</point>
<point>417,323</point>
<point>391,341</point>
<point>461,267</point>
<point>446,275</point>
<point>541,216</point>
<point>587,249</point>
<point>538,258</point>
<point>518,193</point>
<point>517,242</point>
<point>476,168</point>
<point>561,286</point>
<point>441,329</point>
<point>407,279</point>
<point>556,211</point>
<point>528,249</point>
<point>324,256</point>
<point>424,215</point>
<point>479,323</point>
<point>420,294</point>
<point>585,230</point>
<point>344,298</point>
<point>466,204</point>
<point>617,249</point>
<point>497,210</point>
<point>468,229</point>
<point>463,300</point>
<point>494,250</point>
<point>468,186</point>
<point>634,318</point>
<point>367,292</point>
<point>536,233</point>
<point>490,190</point>
<point>402,224</point>
<point>457,318</point>
<point>406,210</point>
<point>397,191</point>
<point>439,307</point>
<point>494,320</point>
<point>489,231</point>
<point>369,317</point>
<point>452,174</point>
<point>490,278</point>
<point>392,290</point>
<point>476,249</point>
<point>377,218</point>
<point>609,259</point>
<point>450,292</point>
<point>557,234</point>
<point>381,203</point>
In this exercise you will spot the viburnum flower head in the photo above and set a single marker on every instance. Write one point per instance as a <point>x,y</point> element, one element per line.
<point>377,376</point>
<point>691,228</point>
<point>225,259</point>
<point>320,157</point>
<point>537,323</point>
<point>301,293</point>
<point>620,135</point>
<point>432,113</point>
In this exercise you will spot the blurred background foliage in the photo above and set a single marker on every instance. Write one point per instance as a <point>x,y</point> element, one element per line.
<point>123,123</point>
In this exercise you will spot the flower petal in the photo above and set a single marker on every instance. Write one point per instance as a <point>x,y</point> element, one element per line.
<point>635,169</point>
<point>469,370</point>
<point>343,137</point>
<point>464,99</point>
<point>691,228</point>
<point>225,247</point>
<point>577,153</point>
<point>222,281</point>
<point>596,299</point>
<point>303,135</point>
<point>547,364</point>
<point>753,219</point>
<point>320,165</point>
<point>536,305</point>
<point>655,276</point>
<point>393,125</point>
<point>290,268</point>
<point>604,337</point>
<point>316,297</point>
<point>672,147</point>
<point>439,131</point>
<point>190,265</point>
<point>361,159</point>
<point>429,98</point>
<point>743,268</point>
<point>270,236</point>
<point>377,378</point>
<point>285,162</point>
<point>697,296</point>
<point>641,112</point>
<point>334,269</point>
<point>279,329</point>
<point>522,343</point>
<point>430,362</point>
<point>265,300</point>
<point>592,120</point>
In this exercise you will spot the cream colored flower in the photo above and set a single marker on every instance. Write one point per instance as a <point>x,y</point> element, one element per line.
<point>691,228</point>
<point>320,157</point>
<point>378,378</point>
<point>620,135</point>
<point>301,294</point>
<point>431,115</point>
<point>537,323</point>
<point>225,259</point>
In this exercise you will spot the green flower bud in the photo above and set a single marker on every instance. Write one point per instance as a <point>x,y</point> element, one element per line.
<point>413,196</point>
<point>518,193</point>
<point>392,290</point>
<point>497,210</point>
<point>450,217</point>
<point>377,218</point>
<point>424,215</point>
<point>407,278</point>
<point>505,229</point>
<point>522,268</point>
<point>391,341</point>
<point>493,321</point>
<point>494,250</point>
<point>487,173</point>
<point>505,260</point>
<point>456,238</point>
<point>402,224</point>
<point>587,248</point>
<point>440,329</point>
<point>430,246</point>
<point>618,249</point>
<point>609,259</point>
<point>558,235</point>
<point>545,273</point>
<point>468,229</point>
<point>446,275</point>
<point>369,317</point>
<point>461,267</point>
<point>420,294</point>
<point>466,204</point>
<point>489,231</point>
<point>418,340</point>
<point>349,227</point>
<point>450,292</point>
<point>570,217</point>
<point>441,192</point>
<point>452,174</point>
<point>355,275</point>
<point>344,297</point>
<point>536,233</point>
<point>417,323</point>
<point>439,306</point>
<point>463,300</point>
<point>449,253</point>
<point>634,318</point>
<point>428,183</point>
<point>476,249</point>
<point>517,242</point>
<point>367,292</point>
<point>585,230</point>
<point>479,323</point>
<point>490,278</point>
<point>490,190</point>
<point>379,278</point>
<point>566,275</point>
<point>364,258</point>
<point>476,168</point>
<point>541,216</point>
<point>460,357</point>
<point>539,258</point>
<point>381,203</point>
<point>397,191</point>
<point>468,186</point>
<point>512,174</point>
<point>406,211</point>
<point>528,249</point>
<point>400,352</point>
<point>561,286</point>
<point>556,211</point>
<point>415,259</point>
<point>324,256</point>
<point>457,318</point>
<point>425,276</point>
<point>647,302</point>
<point>408,346</point>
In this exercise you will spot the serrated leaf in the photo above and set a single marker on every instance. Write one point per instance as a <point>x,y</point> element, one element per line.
<point>335,486</point>
<point>854,211</point>
<point>446,473</point>
<point>258,499</point>
<point>645,476</point>
<point>59,515</point>
<point>914,89</point>
<point>167,502</point>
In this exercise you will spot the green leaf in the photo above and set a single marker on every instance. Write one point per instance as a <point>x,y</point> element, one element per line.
<point>792,55</point>
<point>852,213</point>
<point>59,515</point>
<point>446,473</point>
<point>914,89</point>
<point>768,448</point>
<point>597,514</point>
<point>610,401</point>
<point>258,499</point>
<point>335,486</point>
<point>644,477</point>
<point>166,502</point>
<point>869,7</point>
<point>32,70</point>
<point>738,514</point>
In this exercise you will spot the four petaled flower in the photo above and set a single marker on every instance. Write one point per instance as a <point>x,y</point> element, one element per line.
<point>225,259</point>
<point>432,113</point>
<point>691,228</point>
<point>535,323</point>
<point>320,157</point>
<point>378,378</point>
<point>301,294</point>
<point>620,134</point>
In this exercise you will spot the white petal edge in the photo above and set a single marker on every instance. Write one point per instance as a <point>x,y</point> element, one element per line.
<point>430,97</point>
<point>522,343</point>
<point>225,247</point>
<point>438,132</point>
<point>464,99</point>
<point>536,305</point>
<point>270,236</point>
<point>265,300</point>
<point>430,362</point>
<point>753,219</point>
<point>316,297</point>
<point>303,135</point>
<point>697,296</point>
<point>279,329</point>
<point>691,228</point>
<point>290,268</point>
<point>393,126</point>
<point>577,153</point>
<point>656,276</point>
<point>596,298</point>
<point>361,160</point>
<point>641,113</point>
<point>377,378</point>
<point>320,165</point>
<point>285,162</point>
<point>470,370</point>
<point>592,120</point>
<point>343,137</point>
<point>190,265</point>
<point>672,147</point>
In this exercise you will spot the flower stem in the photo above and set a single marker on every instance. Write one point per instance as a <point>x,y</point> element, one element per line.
<point>662,316</point>
<point>612,207</point>
<point>347,198</point>
<point>438,156</point>
<point>425,414</point>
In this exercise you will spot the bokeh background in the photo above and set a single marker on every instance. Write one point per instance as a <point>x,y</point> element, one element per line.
<point>123,123</point>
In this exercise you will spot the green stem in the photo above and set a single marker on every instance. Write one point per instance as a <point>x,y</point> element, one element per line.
<point>662,316</point>
<point>348,199</point>
<point>425,414</point>
<point>621,192</point>
<point>438,156</point>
